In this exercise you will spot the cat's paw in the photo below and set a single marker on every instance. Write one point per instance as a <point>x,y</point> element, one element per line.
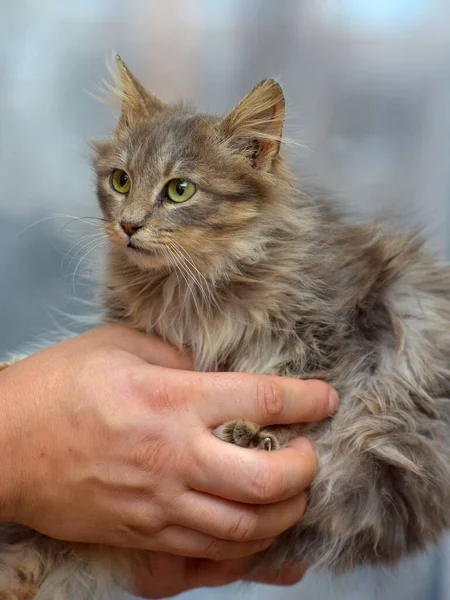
<point>247,435</point>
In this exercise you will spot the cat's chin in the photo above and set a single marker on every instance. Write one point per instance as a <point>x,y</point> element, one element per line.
<point>145,259</point>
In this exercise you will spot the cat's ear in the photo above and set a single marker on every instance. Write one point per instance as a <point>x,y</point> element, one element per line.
<point>136,102</point>
<point>257,123</point>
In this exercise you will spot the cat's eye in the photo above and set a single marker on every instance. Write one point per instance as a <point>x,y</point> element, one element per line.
<point>120,181</point>
<point>180,190</point>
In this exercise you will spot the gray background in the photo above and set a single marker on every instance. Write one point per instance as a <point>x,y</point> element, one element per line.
<point>368,91</point>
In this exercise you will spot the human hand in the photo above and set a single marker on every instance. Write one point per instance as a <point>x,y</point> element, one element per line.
<point>166,575</point>
<point>107,438</point>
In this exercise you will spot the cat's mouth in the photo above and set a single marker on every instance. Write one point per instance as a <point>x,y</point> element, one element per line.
<point>148,257</point>
<point>139,250</point>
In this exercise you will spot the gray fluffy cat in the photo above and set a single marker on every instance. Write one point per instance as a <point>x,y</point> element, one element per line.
<point>215,249</point>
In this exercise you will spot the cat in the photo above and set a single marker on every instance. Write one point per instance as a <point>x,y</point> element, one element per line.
<point>217,249</point>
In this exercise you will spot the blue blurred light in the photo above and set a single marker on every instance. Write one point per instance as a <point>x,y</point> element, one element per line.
<point>379,13</point>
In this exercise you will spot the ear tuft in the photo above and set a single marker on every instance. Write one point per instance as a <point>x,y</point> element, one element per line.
<point>257,123</point>
<point>136,102</point>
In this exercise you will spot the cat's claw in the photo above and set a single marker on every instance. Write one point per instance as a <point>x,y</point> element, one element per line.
<point>266,444</point>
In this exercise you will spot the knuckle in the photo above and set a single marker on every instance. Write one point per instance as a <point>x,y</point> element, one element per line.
<point>141,523</point>
<point>128,380</point>
<point>243,528</point>
<point>162,395</point>
<point>122,375</point>
<point>267,485</point>
<point>270,398</point>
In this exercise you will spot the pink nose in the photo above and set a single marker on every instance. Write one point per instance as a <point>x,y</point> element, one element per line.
<point>130,228</point>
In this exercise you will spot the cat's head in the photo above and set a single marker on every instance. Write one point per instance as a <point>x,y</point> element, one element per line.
<point>175,185</point>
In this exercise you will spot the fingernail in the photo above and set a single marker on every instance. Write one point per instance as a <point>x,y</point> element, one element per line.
<point>333,401</point>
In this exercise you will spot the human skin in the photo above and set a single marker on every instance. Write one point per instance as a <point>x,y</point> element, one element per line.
<point>167,575</point>
<point>120,418</point>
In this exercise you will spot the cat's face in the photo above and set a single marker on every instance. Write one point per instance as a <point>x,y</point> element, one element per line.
<point>178,187</point>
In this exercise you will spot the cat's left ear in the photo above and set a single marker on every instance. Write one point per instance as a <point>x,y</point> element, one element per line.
<point>257,123</point>
<point>136,102</point>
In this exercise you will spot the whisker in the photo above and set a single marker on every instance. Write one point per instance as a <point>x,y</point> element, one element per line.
<point>179,266</point>
<point>189,259</point>
<point>81,242</point>
<point>95,221</point>
<point>182,268</point>
<point>58,216</point>
<point>68,260</point>
<point>207,283</point>
<point>198,283</point>
<point>177,270</point>
<point>202,316</point>
<point>167,256</point>
<point>96,244</point>
<point>182,262</point>
<point>184,271</point>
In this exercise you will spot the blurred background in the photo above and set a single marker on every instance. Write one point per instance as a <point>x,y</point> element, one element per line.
<point>368,93</point>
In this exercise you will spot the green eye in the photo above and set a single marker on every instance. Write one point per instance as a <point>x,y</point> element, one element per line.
<point>180,190</point>
<point>120,181</point>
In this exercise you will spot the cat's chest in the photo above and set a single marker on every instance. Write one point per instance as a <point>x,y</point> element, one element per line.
<point>238,332</point>
<point>237,338</point>
<point>215,341</point>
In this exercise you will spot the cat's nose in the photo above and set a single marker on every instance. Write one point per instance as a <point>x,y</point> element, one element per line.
<point>130,228</point>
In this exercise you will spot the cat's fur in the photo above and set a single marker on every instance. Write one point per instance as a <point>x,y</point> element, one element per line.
<point>251,274</point>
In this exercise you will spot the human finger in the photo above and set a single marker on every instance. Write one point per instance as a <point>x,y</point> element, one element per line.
<point>239,522</point>
<point>183,541</point>
<point>148,347</point>
<point>289,575</point>
<point>263,399</point>
<point>248,475</point>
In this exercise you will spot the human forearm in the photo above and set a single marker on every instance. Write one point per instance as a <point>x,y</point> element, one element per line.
<point>11,447</point>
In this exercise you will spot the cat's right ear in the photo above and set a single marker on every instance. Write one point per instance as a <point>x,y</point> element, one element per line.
<point>137,103</point>
<point>256,124</point>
